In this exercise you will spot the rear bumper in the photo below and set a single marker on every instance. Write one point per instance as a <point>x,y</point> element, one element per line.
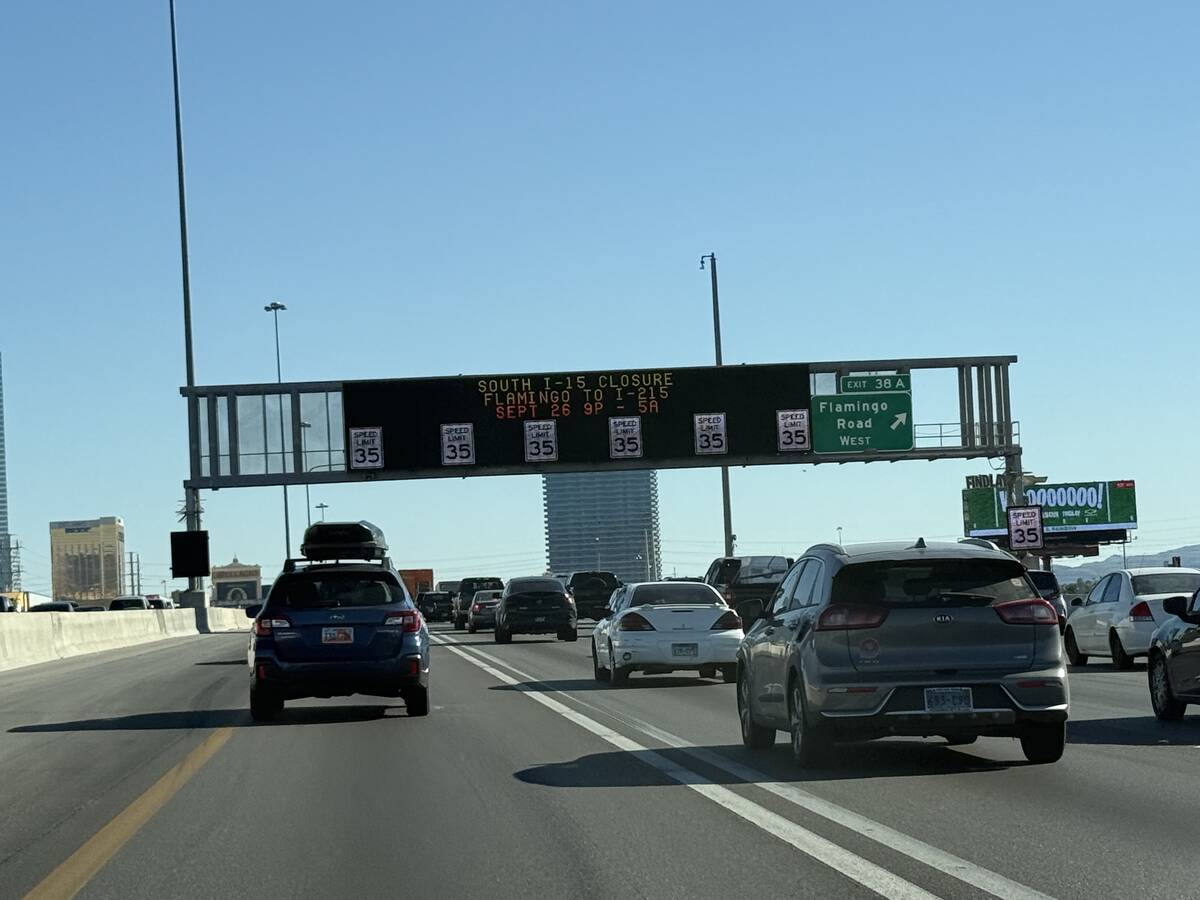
<point>653,650</point>
<point>521,622</point>
<point>590,609</point>
<point>1001,707</point>
<point>378,678</point>
<point>485,619</point>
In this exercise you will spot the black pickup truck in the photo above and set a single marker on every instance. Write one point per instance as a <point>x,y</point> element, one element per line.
<point>590,591</point>
<point>741,578</point>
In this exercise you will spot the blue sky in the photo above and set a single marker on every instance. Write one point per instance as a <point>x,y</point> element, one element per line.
<point>444,188</point>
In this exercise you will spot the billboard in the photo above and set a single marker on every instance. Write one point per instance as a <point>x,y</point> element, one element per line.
<point>572,421</point>
<point>1073,508</point>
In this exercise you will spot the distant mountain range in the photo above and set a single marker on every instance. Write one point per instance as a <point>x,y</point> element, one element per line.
<point>1094,571</point>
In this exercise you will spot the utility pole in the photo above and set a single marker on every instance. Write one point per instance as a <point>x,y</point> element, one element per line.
<point>139,574</point>
<point>711,259</point>
<point>274,307</point>
<point>322,507</point>
<point>130,590</point>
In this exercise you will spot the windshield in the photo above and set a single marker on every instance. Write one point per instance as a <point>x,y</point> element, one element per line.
<point>471,585</point>
<point>674,593</point>
<point>535,586</point>
<point>484,596</point>
<point>594,581</point>
<point>328,589</point>
<point>1043,581</point>
<point>932,583</point>
<point>1166,583</point>
<point>758,568</point>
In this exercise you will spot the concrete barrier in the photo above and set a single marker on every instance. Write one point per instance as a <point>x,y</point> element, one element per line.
<point>29,638</point>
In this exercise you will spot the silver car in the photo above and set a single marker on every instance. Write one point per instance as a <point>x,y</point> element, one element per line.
<point>482,611</point>
<point>935,639</point>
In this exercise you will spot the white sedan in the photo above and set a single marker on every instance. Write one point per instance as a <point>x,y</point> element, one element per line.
<point>665,626</point>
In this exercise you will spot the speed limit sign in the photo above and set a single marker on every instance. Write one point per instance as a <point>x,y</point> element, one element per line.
<point>458,444</point>
<point>1025,528</point>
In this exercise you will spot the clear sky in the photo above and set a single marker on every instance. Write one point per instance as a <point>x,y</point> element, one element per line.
<point>479,187</point>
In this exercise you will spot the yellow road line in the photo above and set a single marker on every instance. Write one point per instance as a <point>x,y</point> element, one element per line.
<point>81,866</point>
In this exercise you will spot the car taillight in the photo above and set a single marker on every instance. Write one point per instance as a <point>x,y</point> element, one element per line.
<point>634,622</point>
<point>1141,612</point>
<point>265,626</point>
<point>731,621</point>
<point>408,621</point>
<point>845,616</point>
<point>476,608</point>
<point>1027,612</point>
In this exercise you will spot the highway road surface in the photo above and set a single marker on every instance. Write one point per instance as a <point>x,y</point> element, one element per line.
<point>138,774</point>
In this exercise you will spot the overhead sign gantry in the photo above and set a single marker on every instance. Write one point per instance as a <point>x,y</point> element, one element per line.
<point>662,418</point>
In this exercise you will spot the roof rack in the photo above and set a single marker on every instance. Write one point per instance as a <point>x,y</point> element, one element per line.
<point>343,540</point>
<point>297,565</point>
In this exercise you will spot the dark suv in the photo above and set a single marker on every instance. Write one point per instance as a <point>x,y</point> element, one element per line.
<point>591,592</point>
<point>903,639</point>
<point>332,629</point>
<point>467,589</point>
<point>535,605</point>
<point>435,605</point>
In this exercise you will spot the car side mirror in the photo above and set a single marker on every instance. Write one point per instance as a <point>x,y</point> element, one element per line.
<point>1176,606</point>
<point>253,611</point>
<point>1078,601</point>
<point>750,611</point>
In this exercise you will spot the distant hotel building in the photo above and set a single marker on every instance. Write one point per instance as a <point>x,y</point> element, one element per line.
<point>605,521</point>
<point>236,584</point>
<point>6,541</point>
<point>86,558</point>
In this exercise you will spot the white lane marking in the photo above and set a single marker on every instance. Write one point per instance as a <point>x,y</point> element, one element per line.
<point>868,874</point>
<point>977,876</point>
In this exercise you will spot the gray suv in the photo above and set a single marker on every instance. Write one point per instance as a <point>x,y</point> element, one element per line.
<point>916,639</point>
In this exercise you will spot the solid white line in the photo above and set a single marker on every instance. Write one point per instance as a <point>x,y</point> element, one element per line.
<point>967,872</point>
<point>868,874</point>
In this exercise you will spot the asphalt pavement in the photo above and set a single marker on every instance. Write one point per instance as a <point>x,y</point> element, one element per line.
<point>138,773</point>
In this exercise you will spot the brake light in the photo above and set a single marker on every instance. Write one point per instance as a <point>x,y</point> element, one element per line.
<point>846,617</point>
<point>1027,612</point>
<point>409,621</point>
<point>476,608</point>
<point>265,626</point>
<point>634,622</point>
<point>1141,612</point>
<point>731,621</point>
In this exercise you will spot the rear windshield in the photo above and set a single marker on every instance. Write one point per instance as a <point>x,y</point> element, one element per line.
<point>1043,581</point>
<point>486,595</point>
<point>933,583</point>
<point>327,589</point>
<point>670,594</point>
<point>127,604</point>
<point>593,580</point>
<point>1166,583</point>
<point>760,568</point>
<point>434,596</point>
<point>471,585</point>
<point>535,586</point>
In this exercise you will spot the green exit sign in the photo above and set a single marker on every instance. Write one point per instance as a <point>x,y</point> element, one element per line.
<point>862,423</point>
<point>873,384</point>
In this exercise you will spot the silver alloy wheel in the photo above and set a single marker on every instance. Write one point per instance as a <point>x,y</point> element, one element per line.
<point>1161,687</point>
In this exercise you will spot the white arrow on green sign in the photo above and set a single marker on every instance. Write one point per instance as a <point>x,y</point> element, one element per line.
<point>862,422</point>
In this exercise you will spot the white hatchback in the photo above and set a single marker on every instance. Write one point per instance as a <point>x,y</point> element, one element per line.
<point>666,626</point>
<point>1119,616</point>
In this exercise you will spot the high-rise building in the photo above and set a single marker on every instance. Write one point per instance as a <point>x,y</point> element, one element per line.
<point>606,521</point>
<point>7,582</point>
<point>87,559</point>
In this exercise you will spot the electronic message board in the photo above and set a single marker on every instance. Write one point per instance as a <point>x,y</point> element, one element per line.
<point>648,418</point>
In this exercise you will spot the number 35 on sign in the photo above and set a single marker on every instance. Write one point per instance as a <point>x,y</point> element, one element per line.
<point>1025,528</point>
<point>458,444</point>
<point>541,441</point>
<point>366,448</point>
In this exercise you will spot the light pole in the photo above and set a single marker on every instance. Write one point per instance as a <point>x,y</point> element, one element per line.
<point>274,308</point>
<point>304,426</point>
<point>839,531</point>
<point>322,507</point>
<point>711,259</point>
<point>191,501</point>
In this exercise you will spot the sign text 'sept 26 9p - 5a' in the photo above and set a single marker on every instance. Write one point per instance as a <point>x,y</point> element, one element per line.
<point>647,418</point>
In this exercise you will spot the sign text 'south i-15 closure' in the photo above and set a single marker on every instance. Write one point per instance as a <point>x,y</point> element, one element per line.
<point>540,422</point>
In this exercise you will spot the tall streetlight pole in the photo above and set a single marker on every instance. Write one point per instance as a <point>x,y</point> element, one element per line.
<point>191,501</point>
<point>322,507</point>
<point>711,259</point>
<point>304,426</point>
<point>274,308</point>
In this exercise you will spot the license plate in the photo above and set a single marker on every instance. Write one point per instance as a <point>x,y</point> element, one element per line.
<point>948,700</point>
<point>685,649</point>
<point>339,635</point>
